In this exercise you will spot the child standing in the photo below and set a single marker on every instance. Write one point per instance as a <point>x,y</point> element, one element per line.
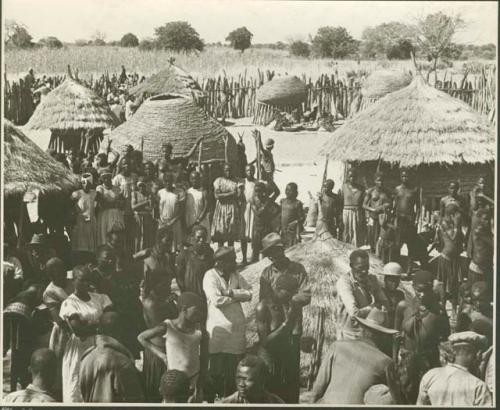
<point>387,247</point>
<point>170,211</point>
<point>143,213</point>
<point>196,204</point>
<point>291,216</point>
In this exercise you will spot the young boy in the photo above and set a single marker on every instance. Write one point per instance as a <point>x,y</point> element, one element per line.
<point>387,247</point>
<point>292,216</point>
<point>481,265</point>
<point>183,350</point>
<point>174,387</point>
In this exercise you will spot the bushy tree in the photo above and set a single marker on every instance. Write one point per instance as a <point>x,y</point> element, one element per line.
<point>392,38</point>
<point>50,42</point>
<point>147,44</point>
<point>280,45</point>
<point>300,48</point>
<point>99,42</point>
<point>17,35</point>
<point>401,50</point>
<point>434,35</point>
<point>240,39</point>
<point>178,36</point>
<point>333,42</point>
<point>82,42</point>
<point>129,40</point>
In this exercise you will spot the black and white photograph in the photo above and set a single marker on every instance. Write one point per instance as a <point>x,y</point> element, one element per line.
<point>253,202</point>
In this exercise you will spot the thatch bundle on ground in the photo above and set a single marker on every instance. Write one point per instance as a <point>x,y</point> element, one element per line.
<point>283,94</point>
<point>173,79</point>
<point>178,120</point>
<point>378,84</point>
<point>421,128</point>
<point>75,115</point>
<point>28,168</point>
<point>325,259</point>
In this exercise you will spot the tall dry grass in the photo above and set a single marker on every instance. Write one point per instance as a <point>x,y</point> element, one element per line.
<point>92,60</point>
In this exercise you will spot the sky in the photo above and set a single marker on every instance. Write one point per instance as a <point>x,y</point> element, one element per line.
<point>270,21</point>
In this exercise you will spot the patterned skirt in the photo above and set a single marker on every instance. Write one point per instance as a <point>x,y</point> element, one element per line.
<point>450,272</point>
<point>226,222</point>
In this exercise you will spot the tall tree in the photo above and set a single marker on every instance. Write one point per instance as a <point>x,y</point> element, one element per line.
<point>434,35</point>
<point>17,35</point>
<point>333,42</point>
<point>387,38</point>
<point>50,42</point>
<point>178,36</point>
<point>240,39</point>
<point>129,40</point>
<point>300,48</point>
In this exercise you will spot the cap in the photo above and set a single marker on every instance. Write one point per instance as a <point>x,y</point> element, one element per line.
<point>225,252</point>
<point>392,269</point>
<point>376,320</point>
<point>467,338</point>
<point>269,143</point>
<point>379,394</point>
<point>271,240</point>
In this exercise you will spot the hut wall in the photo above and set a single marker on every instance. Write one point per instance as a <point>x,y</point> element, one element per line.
<point>264,113</point>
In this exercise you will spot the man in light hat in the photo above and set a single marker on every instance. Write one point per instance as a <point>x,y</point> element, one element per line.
<point>267,166</point>
<point>273,248</point>
<point>379,395</point>
<point>352,367</point>
<point>358,292</point>
<point>453,384</point>
<point>424,324</point>
<point>392,277</point>
<point>225,290</point>
<point>38,254</point>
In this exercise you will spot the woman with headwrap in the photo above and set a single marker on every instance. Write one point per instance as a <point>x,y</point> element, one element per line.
<point>111,205</point>
<point>84,234</point>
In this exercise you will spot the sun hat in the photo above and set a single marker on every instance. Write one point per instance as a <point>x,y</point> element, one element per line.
<point>38,239</point>
<point>376,320</point>
<point>271,240</point>
<point>467,338</point>
<point>225,252</point>
<point>379,394</point>
<point>269,143</point>
<point>392,269</point>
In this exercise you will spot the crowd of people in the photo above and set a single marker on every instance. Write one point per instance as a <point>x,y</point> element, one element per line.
<point>149,274</point>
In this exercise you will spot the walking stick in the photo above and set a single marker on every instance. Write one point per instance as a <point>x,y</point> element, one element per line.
<point>325,173</point>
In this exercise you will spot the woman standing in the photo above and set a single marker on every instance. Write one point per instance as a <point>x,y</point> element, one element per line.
<point>170,211</point>
<point>145,227</point>
<point>84,235</point>
<point>226,221</point>
<point>110,203</point>
<point>196,204</point>
<point>248,220</point>
<point>126,181</point>
<point>353,215</point>
<point>82,311</point>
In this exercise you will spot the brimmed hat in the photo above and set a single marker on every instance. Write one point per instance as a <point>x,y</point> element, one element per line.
<point>467,338</point>
<point>224,252</point>
<point>271,240</point>
<point>38,239</point>
<point>379,394</point>
<point>392,269</point>
<point>376,320</point>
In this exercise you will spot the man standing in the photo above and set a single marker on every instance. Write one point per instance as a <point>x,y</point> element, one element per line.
<point>374,201</point>
<point>353,215</point>
<point>266,165</point>
<point>452,198</point>
<point>107,370</point>
<point>273,248</point>
<point>43,366</point>
<point>225,290</point>
<point>424,324</point>
<point>406,205</point>
<point>453,384</point>
<point>353,366</point>
<point>251,376</point>
<point>330,210</point>
<point>357,293</point>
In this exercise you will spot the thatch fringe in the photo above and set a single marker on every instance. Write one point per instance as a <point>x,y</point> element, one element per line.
<point>72,106</point>
<point>325,259</point>
<point>415,125</point>
<point>170,80</point>
<point>176,119</point>
<point>27,167</point>
<point>283,91</point>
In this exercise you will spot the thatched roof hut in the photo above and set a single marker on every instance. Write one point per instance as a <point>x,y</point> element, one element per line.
<point>27,167</point>
<point>377,85</point>
<point>325,259</point>
<point>173,79</point>
<point>418,127</point>
<point>178,120</point>
<point>72,111</point>
<point>281,93</point>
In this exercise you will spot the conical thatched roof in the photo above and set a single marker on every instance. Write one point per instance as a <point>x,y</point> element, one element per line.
<point>72,106</point>
<point>27,167</point>
<point>176,119</point>
<point>414,126</point>
<point>383,82</point>
<point>170,80</point>
<point>325,260</point>
<point>283,91</point>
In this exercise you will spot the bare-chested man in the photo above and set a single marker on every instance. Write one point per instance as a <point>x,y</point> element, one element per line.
<point>353,213</point>
<point>374,201</point>
<point>452,197</point>
<point>481,265</point>
<point>330,209</point>
<point>165,164</point>
<point>406,204</point>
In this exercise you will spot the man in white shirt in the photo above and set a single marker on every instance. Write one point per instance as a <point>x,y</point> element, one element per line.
<point>453,384</point>
<point>225,290</point>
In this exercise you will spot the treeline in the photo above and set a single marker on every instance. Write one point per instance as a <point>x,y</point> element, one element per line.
<point>431,38</point>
